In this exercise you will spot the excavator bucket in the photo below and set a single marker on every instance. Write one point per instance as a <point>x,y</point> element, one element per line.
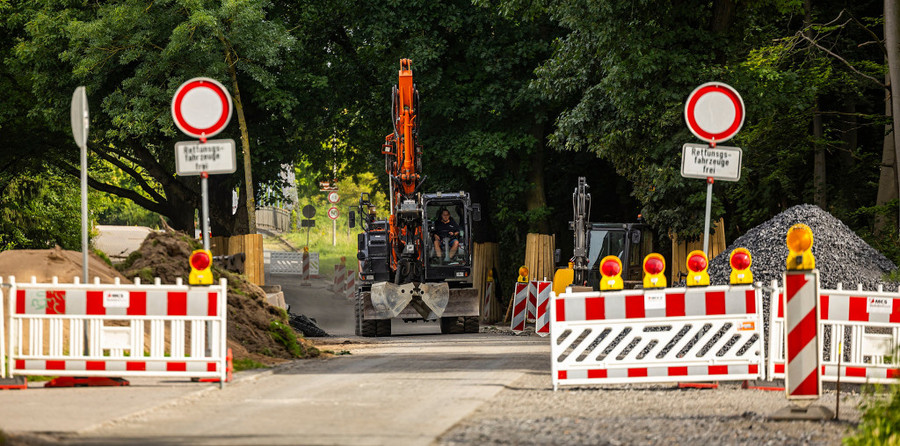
<point>428,299</point>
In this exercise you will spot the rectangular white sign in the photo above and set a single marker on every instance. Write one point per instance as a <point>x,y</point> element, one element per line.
<point>720,163</point>
<point>654,301</point>
<point>215,156</point>
<point>116,299</point>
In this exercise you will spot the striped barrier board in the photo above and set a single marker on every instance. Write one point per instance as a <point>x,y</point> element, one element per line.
<point>520,302</point>
<point>802,378</point>
<point>132,330</point>
<point>531,308</point>
<point>863,325</point>
<point>654,336</point>
<point>542,309</point>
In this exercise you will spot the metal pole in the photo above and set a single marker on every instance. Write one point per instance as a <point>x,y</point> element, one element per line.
<point>84,215</point>
<point>709,185</point>
<point>333,232</point>
<point>204,198</point>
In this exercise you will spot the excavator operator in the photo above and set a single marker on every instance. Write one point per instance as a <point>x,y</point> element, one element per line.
<point>445,229</point>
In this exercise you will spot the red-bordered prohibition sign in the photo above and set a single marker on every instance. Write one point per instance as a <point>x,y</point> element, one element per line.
<point>201,107</point>
<point>714,112</point>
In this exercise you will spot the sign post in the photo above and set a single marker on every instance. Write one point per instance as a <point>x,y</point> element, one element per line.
<point>309,211</point>
<point>80,123</point>
<point>333,198</point>
<point>201,108</point>
<point>714,112</point>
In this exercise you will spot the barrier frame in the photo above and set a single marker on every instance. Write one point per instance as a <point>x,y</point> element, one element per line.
<point>207,332</point>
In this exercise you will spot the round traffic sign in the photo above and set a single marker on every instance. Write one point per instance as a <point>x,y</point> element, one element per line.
<point>201,107</point>
<point>309,211</point>
<point>714,112</point>
<point>333,197</point>
<point>333,213</point>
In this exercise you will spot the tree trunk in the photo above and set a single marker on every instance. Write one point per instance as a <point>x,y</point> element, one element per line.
<point>887,179</point>
<point>820,194</point>
<point>892,45</point>
<point>245,144</point>
<point>536,199</point>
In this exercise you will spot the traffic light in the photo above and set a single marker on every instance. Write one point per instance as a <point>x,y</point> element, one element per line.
<point>799,243</point>
<point>697,264</point>
<point>523,274</point>
<point>740,261</point>
<point>654,269</point>
<point>201,274</point>
<point>611,272</point>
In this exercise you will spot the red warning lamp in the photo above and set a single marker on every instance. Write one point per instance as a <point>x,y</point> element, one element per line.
<point>654,267</point>
<point>200,262</point>
<point>697,264</point>
<point>611,272</point>
<point>740,261</point>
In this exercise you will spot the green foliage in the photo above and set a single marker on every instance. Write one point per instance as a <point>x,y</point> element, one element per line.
<point>285,335</point>
<point>880,424</point>
<point>39,212</point>
<point>240,365</point>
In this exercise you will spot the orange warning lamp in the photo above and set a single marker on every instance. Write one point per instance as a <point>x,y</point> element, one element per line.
<point>697,265</point>
<point>201,274</point>
<point>523,274</point>
<point>799,243</point>
<point>611,274</point>
<point>654,267</point>
<point>740,261</point>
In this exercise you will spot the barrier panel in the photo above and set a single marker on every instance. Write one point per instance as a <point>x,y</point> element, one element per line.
<point>132,330</point>
<point>520,302</point>
<point>656,336</point>
<point>542,307</point>
<point>868,325</point>
<point>285,262</point>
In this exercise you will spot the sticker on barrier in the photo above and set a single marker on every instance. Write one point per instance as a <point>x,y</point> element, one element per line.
<point>863,325</point>
<point>132,330</point>
<point>656,336</point>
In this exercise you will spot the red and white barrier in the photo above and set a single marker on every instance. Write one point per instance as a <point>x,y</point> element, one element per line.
<point>349,285</point>
<point>304,273</point>
<point>542,311</point>
<point>649,336</point>
<point>802,380</point>
<point>532,302</point>
<point>132,330</point>
<point>864,325</point>
<point>520,302</point>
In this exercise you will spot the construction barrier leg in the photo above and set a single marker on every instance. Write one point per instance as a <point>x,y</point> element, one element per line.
<point>86,381</point>
<point>14,383</point>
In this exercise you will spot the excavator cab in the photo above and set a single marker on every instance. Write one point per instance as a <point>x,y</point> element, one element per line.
<point>445,268</point>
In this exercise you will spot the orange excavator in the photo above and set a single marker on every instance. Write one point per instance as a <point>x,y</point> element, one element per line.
<point>402,273</point>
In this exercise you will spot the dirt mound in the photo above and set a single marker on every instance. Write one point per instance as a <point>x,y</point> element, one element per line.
<point>259,328</point>
<point>44,264</point>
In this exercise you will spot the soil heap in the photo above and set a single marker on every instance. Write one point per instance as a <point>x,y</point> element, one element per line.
<point>841,255</point>
<point>256,330</point>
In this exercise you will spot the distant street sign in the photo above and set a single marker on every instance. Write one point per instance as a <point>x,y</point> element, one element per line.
<point>201,107</point>
<point>326,186</point>
<point>309,211</point>
<point>714,112</point>
<point>719,163</point>
<point>213,157</point>
<point>333,197</point>
<point>333,213</point>
<point>79,117</point>
<point>307,223</point>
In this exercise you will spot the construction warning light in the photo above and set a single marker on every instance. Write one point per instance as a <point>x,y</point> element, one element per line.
<point>611,272</point>
<point>697,264</point>
<point>201,274</point>
<point>740,261</point>
<point>799,243</point>
<point>654,267</point>
<point>523,274</point>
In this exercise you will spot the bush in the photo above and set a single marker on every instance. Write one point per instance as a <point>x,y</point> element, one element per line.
<point>880,424</point>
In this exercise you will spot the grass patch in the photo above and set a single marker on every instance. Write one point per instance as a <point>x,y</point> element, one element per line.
<point>285,335</point>
<point>247,364</point>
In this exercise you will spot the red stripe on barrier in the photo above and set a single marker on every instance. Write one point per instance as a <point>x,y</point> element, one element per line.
<point>753,368</point>
<point>211,367</point>
<point>779,368</point>
<point>824,302</point>
<point>136,366</point>
<point>634,306</point>
<point>781,305</point>
<point>55,365</point>
<point>596,374</point>
<point>715,302</point>
<point>858,311</point>
<point>637,372</point>
<point>520,307</point>
<point>859,372</point>
<point>20,302</point>
<point>212,304</point>
<point>675,305</point>
<point>176,367</point>
<point>137,303</point>
<point>809,386</point>
<point>594,308</point>
<point>177,304</point>
<point>895,311</point>
<point>801,335</point>
<point>893,373</point>
<point>794,282</point>
<point>750,301</point>
<point>560,310</point>
<point>20,364</point>
<point>95,365</point>
<point>56,302</point>
<point>561,374</point>
<point>94,304</point>
<point>678,371</point>
<point>718,370</point>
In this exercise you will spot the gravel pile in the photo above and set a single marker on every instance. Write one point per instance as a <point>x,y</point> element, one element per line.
<point>841,256</point>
